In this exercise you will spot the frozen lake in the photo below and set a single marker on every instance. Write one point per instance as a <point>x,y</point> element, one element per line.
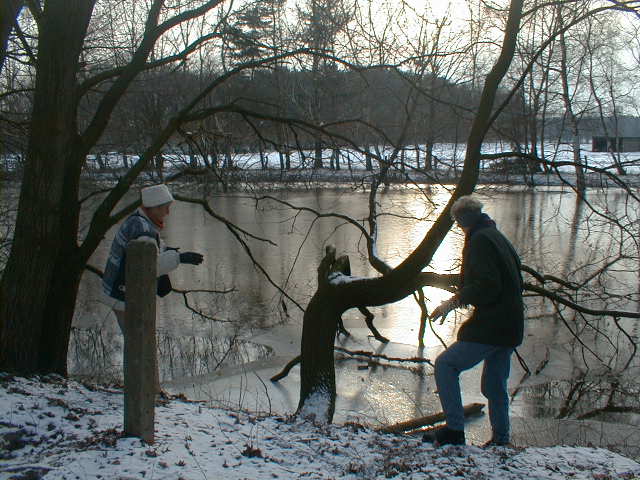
<point>549,230</point>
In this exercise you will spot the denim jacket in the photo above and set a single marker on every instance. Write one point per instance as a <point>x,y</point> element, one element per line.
<point>135,226</point>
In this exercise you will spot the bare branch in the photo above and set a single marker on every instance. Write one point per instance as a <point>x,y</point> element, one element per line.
<point>579,308</point>
<point>236,232</point>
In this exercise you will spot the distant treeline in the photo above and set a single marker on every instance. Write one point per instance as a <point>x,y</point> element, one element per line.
<point>279,110</point>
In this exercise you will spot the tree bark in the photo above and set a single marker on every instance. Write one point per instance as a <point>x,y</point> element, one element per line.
<point>320,322</point>
<point>317,155</point>
<point>59,308</point>
<point>317,370</point>
<point>47,222</point>
<point>367,159</point>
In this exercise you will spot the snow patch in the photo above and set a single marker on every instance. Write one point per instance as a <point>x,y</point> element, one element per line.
<point>316,407</point>
<point>56,429</point>
<point>337,278</point>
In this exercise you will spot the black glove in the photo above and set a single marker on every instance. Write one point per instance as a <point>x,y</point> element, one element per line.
<point>192,258</point>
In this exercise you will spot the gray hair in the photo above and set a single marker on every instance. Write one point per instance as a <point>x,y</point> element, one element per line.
<point>465,204</point>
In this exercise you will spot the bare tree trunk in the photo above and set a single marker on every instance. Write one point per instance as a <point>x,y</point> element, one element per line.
<point>159,165</point>
<point>317,370</point>
<point>215,155</point>
<point>317,156</point>
<point>581,184</point>
<point>228,162</point>
<point>9,12</point>
<point>368,165</point>
<point>263,158</point>
<point>60,305</point>
<point>581,187</point>
<point>429,163</point>
<point>45,247</point>
<point>101,164</point>
<point>320,323</point>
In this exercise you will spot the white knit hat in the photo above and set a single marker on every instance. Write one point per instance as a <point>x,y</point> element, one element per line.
<point>156,195</point>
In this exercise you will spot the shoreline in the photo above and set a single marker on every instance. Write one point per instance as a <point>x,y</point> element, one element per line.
<point>306,178</point>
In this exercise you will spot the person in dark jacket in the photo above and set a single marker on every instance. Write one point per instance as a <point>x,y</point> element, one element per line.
<point>491,282</point>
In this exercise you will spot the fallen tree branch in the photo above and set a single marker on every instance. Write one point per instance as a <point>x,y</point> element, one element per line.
<point>413,424</point>
<point>287,368</point>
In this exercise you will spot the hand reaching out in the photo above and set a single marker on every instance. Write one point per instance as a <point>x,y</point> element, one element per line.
<point>192,258</point>
<point>442,310</point>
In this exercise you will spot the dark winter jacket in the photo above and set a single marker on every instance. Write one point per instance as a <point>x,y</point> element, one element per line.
<point>492,283</point>
<point>135,226</point>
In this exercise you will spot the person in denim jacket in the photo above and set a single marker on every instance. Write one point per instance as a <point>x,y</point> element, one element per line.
<point>147,221</point>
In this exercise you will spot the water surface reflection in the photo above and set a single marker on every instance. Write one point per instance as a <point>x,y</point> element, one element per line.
<point>583,367</point>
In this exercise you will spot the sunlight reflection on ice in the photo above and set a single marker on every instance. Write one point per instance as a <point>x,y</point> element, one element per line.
<point>404,326</point>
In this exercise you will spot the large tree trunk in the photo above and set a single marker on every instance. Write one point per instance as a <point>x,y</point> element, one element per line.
<point>317,372</point>
<point>67,270</point>
<point>367,159</point>
<point>59,308</point>
<point>45,240</point>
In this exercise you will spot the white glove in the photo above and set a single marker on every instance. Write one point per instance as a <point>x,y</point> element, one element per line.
<point>444,308</point>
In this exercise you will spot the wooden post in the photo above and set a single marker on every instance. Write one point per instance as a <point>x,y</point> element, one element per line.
<point>140,339</point>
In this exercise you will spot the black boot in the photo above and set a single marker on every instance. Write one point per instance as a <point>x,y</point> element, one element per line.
<point>444,436</point>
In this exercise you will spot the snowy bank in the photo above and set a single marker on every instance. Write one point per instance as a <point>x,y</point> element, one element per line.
<point>58,429</point>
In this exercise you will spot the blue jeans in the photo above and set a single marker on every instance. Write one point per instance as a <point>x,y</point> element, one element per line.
<point>462,356</point>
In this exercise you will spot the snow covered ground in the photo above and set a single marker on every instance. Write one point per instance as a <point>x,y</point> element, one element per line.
<point>58,429</point>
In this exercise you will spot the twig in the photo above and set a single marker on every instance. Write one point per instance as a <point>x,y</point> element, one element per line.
<point>364,353</point>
